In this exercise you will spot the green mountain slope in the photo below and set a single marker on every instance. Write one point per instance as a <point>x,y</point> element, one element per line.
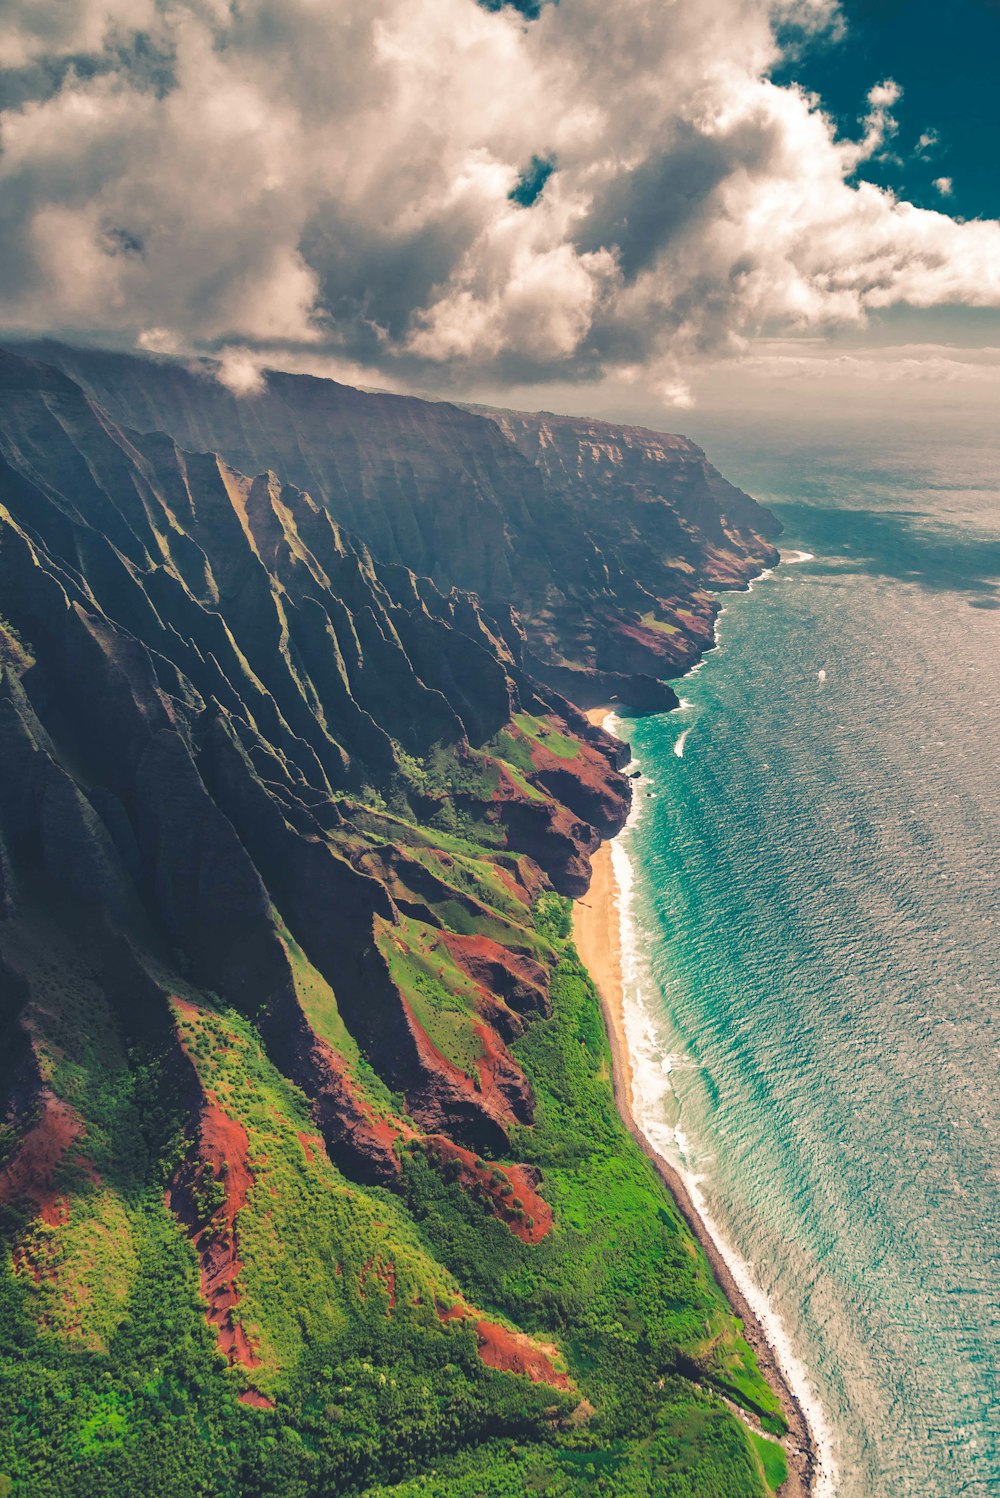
<point>311,1179</point>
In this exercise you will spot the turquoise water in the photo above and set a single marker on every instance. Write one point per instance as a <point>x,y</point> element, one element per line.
<point>815,949</point>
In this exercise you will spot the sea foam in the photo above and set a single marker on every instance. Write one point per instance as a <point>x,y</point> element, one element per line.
<point>652,1090</point>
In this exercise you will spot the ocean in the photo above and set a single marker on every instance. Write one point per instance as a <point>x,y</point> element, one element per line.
<point>812,949</point>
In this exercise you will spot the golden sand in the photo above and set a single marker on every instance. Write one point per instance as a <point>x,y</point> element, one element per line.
<point>597,935</point>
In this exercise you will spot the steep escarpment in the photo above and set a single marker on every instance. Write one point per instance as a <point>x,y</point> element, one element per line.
<point>662,526</point>
<point>310,1173</point>
<point>606,539</point>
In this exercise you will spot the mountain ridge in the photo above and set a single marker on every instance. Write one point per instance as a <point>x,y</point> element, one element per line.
<point>294,1040</point>
<point>591,531</point>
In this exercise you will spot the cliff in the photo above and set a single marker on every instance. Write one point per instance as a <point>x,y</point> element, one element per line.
<point>307,1112</point>
<point>608,541</point>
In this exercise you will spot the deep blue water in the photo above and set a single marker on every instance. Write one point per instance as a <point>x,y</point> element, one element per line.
<point>816,948</point>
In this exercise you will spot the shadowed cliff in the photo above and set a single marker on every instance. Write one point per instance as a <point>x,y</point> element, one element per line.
<point>604,538</point>
<point>306,1108</point>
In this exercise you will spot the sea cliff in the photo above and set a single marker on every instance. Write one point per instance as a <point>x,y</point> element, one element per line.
<point>311,1175</point>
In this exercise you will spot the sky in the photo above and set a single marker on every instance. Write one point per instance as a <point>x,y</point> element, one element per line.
<point>631,208</point>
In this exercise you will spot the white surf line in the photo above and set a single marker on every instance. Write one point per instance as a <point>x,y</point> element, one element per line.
<point>781,1343</point>
<point>648,1066</point>
<point>789,557</point>
<point>679,746</point>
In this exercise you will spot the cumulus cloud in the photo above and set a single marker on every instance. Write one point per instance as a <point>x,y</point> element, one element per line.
<point>240,370</point>
<point>300,181</point>
<point>945,186</point>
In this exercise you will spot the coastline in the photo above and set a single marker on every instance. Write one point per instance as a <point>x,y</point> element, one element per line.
<point>597,935</point>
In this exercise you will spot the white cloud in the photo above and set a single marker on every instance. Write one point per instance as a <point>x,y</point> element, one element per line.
<point>304,181</point>
<point>945,186</point>
<point>33,29</point>
<point>812,16</point>
<point>158,341</point>
<point>240,370</point>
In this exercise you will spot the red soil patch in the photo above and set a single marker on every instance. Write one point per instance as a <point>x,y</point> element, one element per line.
<point>385,1273</point>
<point>356,1136</point>
<point>587,783</point>
<point>513,1352</point>
<point>217,1157</point>
<point>507,788</point>
<point>436,1066</point>
<point>255,1399</point>
<point>516,979</point>
<point>29,1173</point>
<point>502,1083</point>
<point>309,1142</point>
<point>516,1206</point>
<point>656,641</point>
<point>510,1352</point>
<point>511,885</point>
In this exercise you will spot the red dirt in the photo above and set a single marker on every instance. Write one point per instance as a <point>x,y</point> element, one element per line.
<point>587,783</point>
<point>219,1153</point>
<point>519,891</point>
<point>355,1135</point>
<point>517,979</point>
<point>507,788</point>
<point>435,1066</point>
<point>309,1142</point>
<point>510,1352</point>
<point>477,1175</point>
<point>385,1273</point>
<point>255,1399</point>
<point>513,1352</point>
<point>29,1173</point>
<point>501,1080</point>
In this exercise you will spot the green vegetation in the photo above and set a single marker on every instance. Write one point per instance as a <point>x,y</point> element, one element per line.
<point>515,749</point>
<point>772,1459</point>
<point>442,998</point>
<point>541,732</point>
<point>338,1295</point>
<point>619,1270</point>
<point>650,621</point>
<point>239,762</point>
<point>340,1287</point>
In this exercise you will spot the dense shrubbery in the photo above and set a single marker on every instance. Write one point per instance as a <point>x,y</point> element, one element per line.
<point>365,1400</point>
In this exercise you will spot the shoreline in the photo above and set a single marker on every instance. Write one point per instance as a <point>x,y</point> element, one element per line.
<point>597,936</point>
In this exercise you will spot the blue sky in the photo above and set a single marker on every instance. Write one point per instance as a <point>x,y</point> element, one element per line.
<point>570,203</point>
<point>946,59</point>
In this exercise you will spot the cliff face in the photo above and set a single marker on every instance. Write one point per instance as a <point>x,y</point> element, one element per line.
<point>283,827</point>
<point>604,538</point>
<point>222,683</point>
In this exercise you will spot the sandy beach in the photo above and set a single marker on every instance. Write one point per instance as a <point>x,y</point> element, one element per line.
<point>597,934</point>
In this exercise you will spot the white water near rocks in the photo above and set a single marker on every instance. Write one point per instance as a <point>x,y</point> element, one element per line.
<point>811,957</point>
